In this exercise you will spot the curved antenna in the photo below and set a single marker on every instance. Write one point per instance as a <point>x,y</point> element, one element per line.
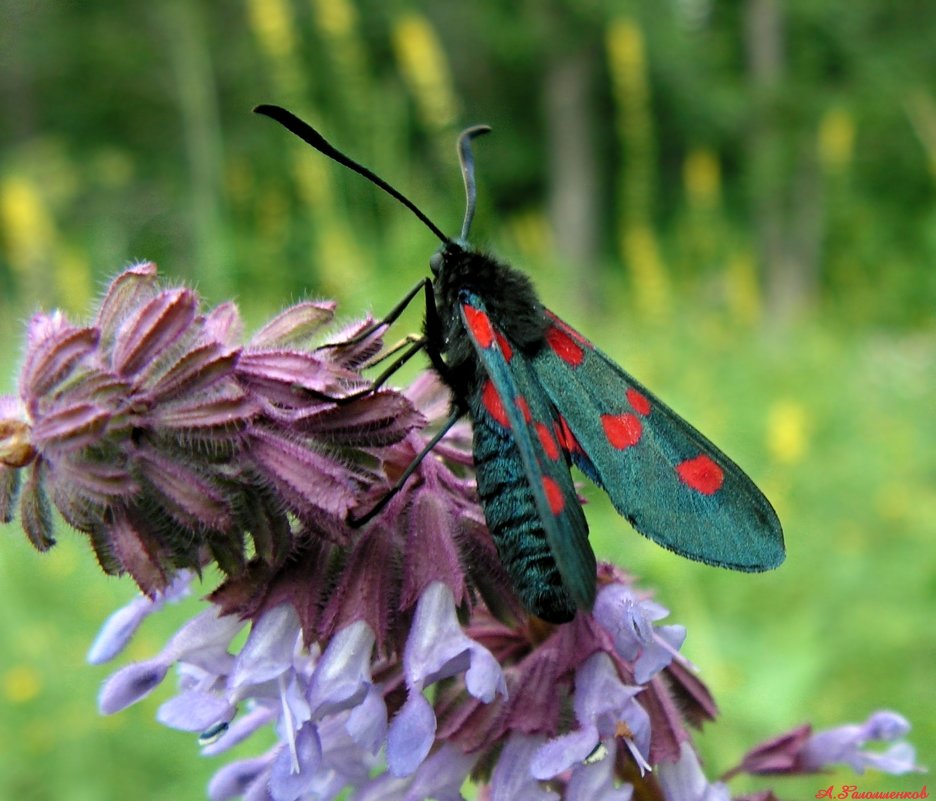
<point>309,135</point>
<point>466,159</point>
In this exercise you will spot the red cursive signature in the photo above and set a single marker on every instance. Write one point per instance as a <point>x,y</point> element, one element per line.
<point>853,791</point>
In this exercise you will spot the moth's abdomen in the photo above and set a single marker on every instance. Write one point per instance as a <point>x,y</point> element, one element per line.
<point>510,511</point>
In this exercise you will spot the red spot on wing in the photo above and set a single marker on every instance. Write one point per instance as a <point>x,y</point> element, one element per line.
<point>547,441</point>
<point>565,436</point>
<point>638,402</point>
<point>553,495</point>
<point>622,430</point>
<point>504,345</point>
<point>567,329</point>
<point>524,408</point>
<point>564,346</point>
<point>493,403</point>
<point>701,474</point>
<point>480,325</point>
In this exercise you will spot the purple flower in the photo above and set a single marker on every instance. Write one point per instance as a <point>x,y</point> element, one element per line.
<point>120,627</point>
<point>846,744</point>
<point>439,777</point>
<point>685,781</point>
<point>630,622</point>
<point>202,642</point>
<point>342,677</point>
<point>802,751</point>
<point>167,441</point>
<point>391,661</point>
<point>437,648</point>
<point>606,710</point>
<point>513,778</point>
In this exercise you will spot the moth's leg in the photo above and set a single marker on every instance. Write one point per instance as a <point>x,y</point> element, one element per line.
<point>389,319</point>
<point>434,335</point>
<point>395,348</point>
<point>357,522</point>
<point>416,345</point>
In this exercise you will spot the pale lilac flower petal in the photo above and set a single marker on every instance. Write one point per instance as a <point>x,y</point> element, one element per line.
<point>438,648</point>
<point>605,708</point>
<point>130,684</point>
<point>513,778</point>
<point>484,679</point>
<point>385,787</point>
<point>845,744</point>
<point>596,782</point>
<point>600,691</point>
<point>410,735</point>
<point>900,758</point>
<point>287,783</point>
<point>233,780</point>
<point>200,640</point>
<point>367,722</point>
<point>885,725</point>
<point>293,702</point>
<point>269,649</point>
<point>441,776</point>
<point>118,629</point>
<point>342,675</point>
<point>241,728</point>
<point>685,781</point>
<point>630,622</point>
<point>562,752</point>
<point>194,711</point>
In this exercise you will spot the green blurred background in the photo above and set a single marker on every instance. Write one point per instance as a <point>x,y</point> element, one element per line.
<point>736,200</point>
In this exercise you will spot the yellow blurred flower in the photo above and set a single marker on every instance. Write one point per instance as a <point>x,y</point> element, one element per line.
<point>626,53</point>
<point>21,684</point>
<point>531,233</point>
<point>27,223</point>
<point>787,429</point>
<point>426,71</point>
<point>702,177</point>
<point>274,26</point>
<point>648,274</point>
<point>836,139</point>
<point>743,290</point>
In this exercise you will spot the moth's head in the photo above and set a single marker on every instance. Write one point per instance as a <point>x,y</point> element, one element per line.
<point>450,251</point>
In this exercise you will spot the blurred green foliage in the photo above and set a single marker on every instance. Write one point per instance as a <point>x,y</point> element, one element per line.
<point>737,200</point>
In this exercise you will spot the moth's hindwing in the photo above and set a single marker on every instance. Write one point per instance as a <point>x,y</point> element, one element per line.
<point>666,478</point>
<point>523,477</point>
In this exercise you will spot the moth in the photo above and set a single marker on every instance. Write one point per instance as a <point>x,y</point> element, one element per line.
<point>542,398</point>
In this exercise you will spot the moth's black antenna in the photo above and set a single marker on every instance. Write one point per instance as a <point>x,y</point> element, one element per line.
<point>466,159</point>
<point>309,135</point>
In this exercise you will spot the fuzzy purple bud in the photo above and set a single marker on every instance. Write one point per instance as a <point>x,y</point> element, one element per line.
<point>169,442</point>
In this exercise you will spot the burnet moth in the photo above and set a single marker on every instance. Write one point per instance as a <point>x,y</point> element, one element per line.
<point>542,398</point>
